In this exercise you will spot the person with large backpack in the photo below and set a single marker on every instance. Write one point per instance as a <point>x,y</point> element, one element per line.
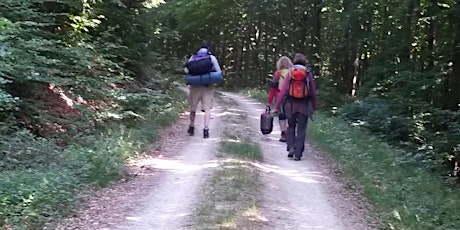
<point>282,69</point>
<point>298,95</point>
<point>201,62</point>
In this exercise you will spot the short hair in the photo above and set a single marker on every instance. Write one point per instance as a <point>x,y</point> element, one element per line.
<point>300,59</point>
<point>205,44</point>
<point>283,63</point>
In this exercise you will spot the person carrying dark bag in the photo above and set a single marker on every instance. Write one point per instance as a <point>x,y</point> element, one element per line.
<point>298,95</point>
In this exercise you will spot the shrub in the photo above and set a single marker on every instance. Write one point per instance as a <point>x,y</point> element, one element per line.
<point>29,198</point>
<point>380,116</point>
<point>20,149</point>
<point>102,162</point>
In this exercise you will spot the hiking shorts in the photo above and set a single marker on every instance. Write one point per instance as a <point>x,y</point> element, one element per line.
<point>201,94</point>
<point>282,115</point>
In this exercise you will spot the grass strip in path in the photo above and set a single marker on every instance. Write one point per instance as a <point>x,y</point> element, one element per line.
<point>229,197</point>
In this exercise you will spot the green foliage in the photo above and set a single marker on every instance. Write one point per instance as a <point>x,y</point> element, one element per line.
<point>405,195</point>
<point>38,183</point>
<point>103,161</point>
<point>329,99</point>
<point>242,147</point>
<point>104,57</point>
<point>257,94</point>
<point>22,150</point>
<point>430,134</point>
<point>29,198</point>
<point>145,102</point>
<point>380,116</point>
<point>7,101</point>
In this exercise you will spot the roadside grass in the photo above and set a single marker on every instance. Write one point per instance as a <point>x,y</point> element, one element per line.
<point>243,148</point>
<point>406,196</point>
<point>231,195</point>
<point>257,94</point>
<point>37,197</point>
<point>229,200</point>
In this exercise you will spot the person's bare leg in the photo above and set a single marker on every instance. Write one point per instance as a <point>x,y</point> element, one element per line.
<point>283,125</point>
<point>191,128</point>
<point>192,118</point>
<point>207,119</point>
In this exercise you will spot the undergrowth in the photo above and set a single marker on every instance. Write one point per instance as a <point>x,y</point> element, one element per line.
<point>407,196</point>
<point>39,182</point>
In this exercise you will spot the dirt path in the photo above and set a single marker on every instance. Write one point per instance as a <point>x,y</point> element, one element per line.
<point>300,195</point>
<point>163,188</point>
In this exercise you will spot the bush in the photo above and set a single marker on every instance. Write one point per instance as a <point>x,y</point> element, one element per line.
<point>380,116</point>
<point>145,102</point>
<point>103,161</point>
<point>430,134</point>
<point>32,197</point>
<point>20,149</point>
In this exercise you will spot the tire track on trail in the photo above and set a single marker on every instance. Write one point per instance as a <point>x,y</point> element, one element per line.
<point>162,190</point>
<point>170,204</point>
<point>298,195</point>
<point>167,185</point>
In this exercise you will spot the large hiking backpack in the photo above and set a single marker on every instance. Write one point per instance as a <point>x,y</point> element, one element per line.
<point>199,64</point>
<point>298,85</point>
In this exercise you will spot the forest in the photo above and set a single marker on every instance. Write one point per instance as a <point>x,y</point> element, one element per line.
<point>76,75</point>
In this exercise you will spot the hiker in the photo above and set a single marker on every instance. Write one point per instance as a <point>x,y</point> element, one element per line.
<point>298,95</point>
<point>282,68</point>
<point>202,93</point>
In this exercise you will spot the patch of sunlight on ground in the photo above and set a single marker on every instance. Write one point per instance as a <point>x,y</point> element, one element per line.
<point>171,164</point>
<point>233,140</point>
<point>306,177</point>
<point>237,162</point>
<point>253,214</point>
<point>229,223</point>
<point>226,114</point>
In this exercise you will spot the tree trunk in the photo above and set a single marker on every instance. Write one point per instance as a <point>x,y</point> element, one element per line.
<point>452,94</point>
<point>350,62</point>
<point>431,36</point>
<point>316,36</point>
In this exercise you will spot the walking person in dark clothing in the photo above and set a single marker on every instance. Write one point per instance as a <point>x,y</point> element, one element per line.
<point>299,95</point>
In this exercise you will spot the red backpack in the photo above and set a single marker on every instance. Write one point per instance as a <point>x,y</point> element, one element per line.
<point>298,85</point>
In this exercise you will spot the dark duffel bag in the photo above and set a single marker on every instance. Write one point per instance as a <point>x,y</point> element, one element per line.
<point>266,122</point>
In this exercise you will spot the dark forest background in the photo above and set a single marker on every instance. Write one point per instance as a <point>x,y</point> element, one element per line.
<point>72,71</point>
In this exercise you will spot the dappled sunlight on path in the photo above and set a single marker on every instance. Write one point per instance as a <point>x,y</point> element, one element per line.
<point>170,204</point>
<point>295,193</point>
<point>291,174</point>
<point>167,185</point>
<point>177,165</point>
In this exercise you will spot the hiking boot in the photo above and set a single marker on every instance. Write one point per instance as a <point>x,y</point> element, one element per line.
<point>283,137</point>
<point>297,158</point>
<point>291,153</point>
<point>205,133</point>
<point>191,130</point>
